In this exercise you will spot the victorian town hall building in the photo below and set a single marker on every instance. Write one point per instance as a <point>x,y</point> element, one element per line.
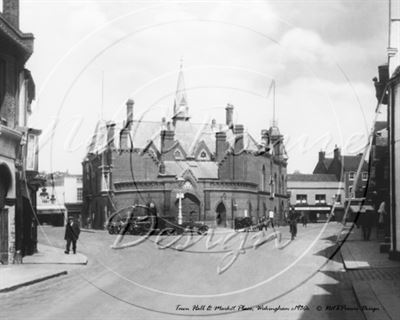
<point>214,172</point>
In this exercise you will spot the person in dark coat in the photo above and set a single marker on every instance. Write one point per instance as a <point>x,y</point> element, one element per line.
<point>292,219</point>
<point>366,222</point>
<point>72,232</point>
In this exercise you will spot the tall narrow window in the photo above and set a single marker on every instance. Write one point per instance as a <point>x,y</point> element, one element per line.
<point>262,179</point>
<point>2,81</point>
<point>79,194</point>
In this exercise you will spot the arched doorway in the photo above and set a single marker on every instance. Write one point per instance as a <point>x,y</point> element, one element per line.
<point>5,185</point>
<point>221,215</point>
<point>190,207</point>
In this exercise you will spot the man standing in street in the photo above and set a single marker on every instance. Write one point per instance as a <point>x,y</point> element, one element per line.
<point>292,219</point>
<point>72,231</point>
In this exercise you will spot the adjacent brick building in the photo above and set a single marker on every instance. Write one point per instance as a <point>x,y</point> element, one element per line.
<point>331,185</point>
<point>18,143</point>
<point>345,167</point>
<point>221,170</point>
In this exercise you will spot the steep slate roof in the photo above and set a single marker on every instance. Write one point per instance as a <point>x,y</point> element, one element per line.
<point>327,162</point>
<point>312,177</point>
<point>351,163</point>
<point>188,134</point>
<point>200,169</point>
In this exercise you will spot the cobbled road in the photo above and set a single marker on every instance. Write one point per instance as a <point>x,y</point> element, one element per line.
<point>225,275</point>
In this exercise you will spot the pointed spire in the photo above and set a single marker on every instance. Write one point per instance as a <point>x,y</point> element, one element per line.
<point>272,89</point>
<point>181,108</point>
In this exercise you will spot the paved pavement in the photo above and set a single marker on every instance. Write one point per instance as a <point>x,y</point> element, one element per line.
<point>17,276</point>
<point>52,255</point>
<point>49,262</point>
<point>375,278</point>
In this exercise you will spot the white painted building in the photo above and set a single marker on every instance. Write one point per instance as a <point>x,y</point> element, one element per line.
<point>316,194</point>
<point>62,197</point>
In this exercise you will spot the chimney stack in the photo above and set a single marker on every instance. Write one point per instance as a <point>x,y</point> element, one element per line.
<point>129,112</point>
<point>213,124</point>
<point>11,12</point>
<point>238,130</point>
<point>321,156</point>
<point>336,153</point>
<point>229,114</point>
<point>220,145</point>
<point>167,144</point>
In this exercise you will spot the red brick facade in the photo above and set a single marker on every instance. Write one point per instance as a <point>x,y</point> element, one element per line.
<point>222,171</point>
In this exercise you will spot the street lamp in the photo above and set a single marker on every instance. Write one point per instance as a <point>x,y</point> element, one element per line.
<point>44,195</point>
<point>180,195</point>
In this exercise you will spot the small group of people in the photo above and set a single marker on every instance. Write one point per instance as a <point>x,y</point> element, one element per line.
<point>368,219</point>
<point>264,222</point>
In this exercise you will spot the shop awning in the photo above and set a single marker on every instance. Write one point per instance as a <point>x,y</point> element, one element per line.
<point>362,209</point>
<point>312,208</point>
<point>51,209</point>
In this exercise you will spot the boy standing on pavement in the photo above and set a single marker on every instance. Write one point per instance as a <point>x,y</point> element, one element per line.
<point>72,231</point>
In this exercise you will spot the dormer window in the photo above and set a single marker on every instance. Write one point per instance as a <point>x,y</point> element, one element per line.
<point>178,155</point>
<point>152,153</point>
<point>203,155</point>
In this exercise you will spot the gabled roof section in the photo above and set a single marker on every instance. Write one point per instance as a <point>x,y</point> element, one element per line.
<point>202,147</point>
<point>178,148</point>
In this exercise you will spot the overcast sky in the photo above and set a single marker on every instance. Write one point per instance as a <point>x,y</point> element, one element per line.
<point>322,55</point>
